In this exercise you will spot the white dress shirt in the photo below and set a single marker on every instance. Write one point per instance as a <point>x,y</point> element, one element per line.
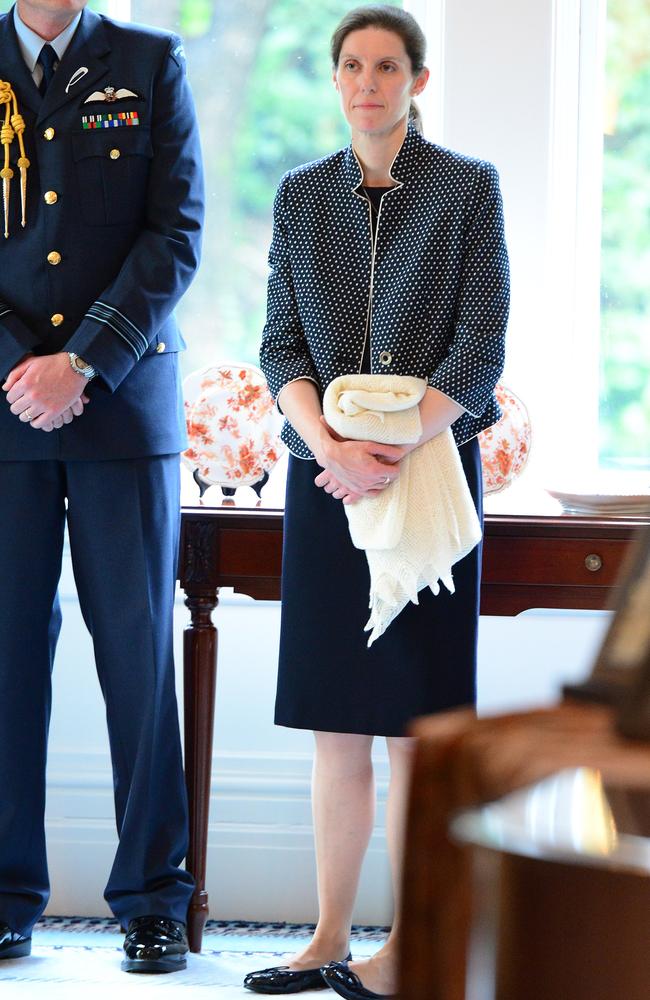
<point>31,44</point>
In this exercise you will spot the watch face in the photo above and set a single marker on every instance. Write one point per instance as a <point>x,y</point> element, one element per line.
<point>81,366</point>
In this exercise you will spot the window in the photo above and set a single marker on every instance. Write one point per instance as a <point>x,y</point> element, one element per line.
<point>624,398</point>
<point>260,74</point>
<point>600,234</point>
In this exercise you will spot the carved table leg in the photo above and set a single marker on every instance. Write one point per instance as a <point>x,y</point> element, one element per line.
<point>200,674</point>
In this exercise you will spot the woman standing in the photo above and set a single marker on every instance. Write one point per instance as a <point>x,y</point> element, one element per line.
<point>387,257</point>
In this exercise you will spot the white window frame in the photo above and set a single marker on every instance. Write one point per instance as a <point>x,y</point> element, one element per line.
<point>575,209</point>
<point>430,15</point>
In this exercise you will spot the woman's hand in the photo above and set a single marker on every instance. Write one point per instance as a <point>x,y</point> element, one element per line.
<point>337,489</point>
<point>351,469</point>
<point>354,469</point>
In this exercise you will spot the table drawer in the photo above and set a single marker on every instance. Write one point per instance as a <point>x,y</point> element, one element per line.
<point>579,562</point>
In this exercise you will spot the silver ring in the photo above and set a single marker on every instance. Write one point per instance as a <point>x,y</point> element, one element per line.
<point>386,480</point>
<point>28,414</point>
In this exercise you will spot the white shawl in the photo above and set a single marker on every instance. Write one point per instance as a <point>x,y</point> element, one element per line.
<point>425,521</point>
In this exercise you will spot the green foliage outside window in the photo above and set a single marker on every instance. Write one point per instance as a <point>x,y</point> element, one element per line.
<point>625,278</point>
<point>292,113</point>
<point>261,76</point>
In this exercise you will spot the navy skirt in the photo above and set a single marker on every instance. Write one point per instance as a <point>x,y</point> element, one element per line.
<point>328,679</point>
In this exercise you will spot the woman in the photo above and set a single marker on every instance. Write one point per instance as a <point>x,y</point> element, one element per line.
<point>387,257</point>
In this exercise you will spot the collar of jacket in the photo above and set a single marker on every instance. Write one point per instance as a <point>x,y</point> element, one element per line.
<point>89,47</point>
<point>399,168</point>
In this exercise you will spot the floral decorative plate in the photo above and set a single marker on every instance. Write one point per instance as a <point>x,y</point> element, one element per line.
<point>505,446</point>
<point>233,426</point>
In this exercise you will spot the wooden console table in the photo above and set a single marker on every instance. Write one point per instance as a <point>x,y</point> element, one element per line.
<point>528,562</point>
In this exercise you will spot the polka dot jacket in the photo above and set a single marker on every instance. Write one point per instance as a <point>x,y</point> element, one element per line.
<point>433,296</point>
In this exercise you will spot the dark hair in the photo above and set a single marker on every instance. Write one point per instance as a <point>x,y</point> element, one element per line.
<point>394,19</point>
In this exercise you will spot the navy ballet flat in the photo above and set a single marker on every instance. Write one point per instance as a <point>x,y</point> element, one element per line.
<point>347,984</point>
<point>281,979</point>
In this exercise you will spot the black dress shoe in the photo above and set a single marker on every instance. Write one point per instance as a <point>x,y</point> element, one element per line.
<point>282,979</point>
<point>347,984</point>
<point>13,945</point>
<point>155,944</point>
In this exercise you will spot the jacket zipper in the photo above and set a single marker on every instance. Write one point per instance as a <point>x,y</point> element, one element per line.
<point>372,281</point>
<point>374,249</point>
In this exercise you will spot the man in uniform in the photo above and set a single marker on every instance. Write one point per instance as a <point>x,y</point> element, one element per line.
<point>101,220</point>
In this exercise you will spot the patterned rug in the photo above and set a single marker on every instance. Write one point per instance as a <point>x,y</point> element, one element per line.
<point>74,958</point>
<point>242,930</point>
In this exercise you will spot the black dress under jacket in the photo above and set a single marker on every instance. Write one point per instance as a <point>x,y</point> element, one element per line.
<point>328,679</point>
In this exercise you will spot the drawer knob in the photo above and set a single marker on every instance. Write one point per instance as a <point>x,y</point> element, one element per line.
<point>593,562</point>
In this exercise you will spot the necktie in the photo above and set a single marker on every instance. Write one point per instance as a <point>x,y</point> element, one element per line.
<point>47,59</point>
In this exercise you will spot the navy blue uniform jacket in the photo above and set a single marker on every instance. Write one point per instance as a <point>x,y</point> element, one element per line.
<point>126,221</point>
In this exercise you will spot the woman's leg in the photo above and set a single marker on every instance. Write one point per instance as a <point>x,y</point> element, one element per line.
<point>379,973</point>
<point>343,803</point>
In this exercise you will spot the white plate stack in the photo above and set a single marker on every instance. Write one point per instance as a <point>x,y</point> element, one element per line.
<point>607,495</point>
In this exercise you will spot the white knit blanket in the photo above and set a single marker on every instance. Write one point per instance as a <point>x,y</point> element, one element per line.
<point>417,528</point>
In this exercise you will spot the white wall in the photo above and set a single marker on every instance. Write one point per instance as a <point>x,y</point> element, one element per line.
<point>497,106</point>
<point>497,66</point>
<point>260,862</point>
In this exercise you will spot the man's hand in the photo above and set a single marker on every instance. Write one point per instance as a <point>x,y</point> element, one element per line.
<point>45,391</point>
<point>68,415</point>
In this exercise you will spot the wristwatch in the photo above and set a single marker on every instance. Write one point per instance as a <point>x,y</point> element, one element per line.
<point>80,366</point>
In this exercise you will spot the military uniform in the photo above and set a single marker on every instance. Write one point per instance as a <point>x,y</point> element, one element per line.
<point>113,218</point>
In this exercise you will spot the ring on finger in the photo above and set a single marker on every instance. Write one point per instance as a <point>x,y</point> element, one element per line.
<point>386,480</point>
<point>28,414</point>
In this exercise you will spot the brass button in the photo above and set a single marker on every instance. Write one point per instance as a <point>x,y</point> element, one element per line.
<point>114,154</point>
<point>49,134</point>
<point>50,197</point>
<point>54,257</point>
<point>56,320</point>
<point>385,358</point>
<point>160,347</point>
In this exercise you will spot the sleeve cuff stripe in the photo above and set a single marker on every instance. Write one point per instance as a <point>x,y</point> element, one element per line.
<point>5,311</point>
<point>107,320</point>
<point>125,319</point>
<point>129,329</point>
<point>129,333</point>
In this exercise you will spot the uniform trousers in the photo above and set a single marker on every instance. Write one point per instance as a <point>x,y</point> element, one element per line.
<point>123,522</point>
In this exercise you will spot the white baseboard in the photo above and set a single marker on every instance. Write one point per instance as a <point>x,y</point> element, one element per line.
<point>260,843</point>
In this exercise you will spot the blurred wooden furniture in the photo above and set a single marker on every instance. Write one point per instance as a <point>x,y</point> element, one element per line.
<point>463,762</point>
<point>528,562</point>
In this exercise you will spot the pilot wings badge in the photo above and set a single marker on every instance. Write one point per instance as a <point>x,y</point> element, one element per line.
<point>109,95</point>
